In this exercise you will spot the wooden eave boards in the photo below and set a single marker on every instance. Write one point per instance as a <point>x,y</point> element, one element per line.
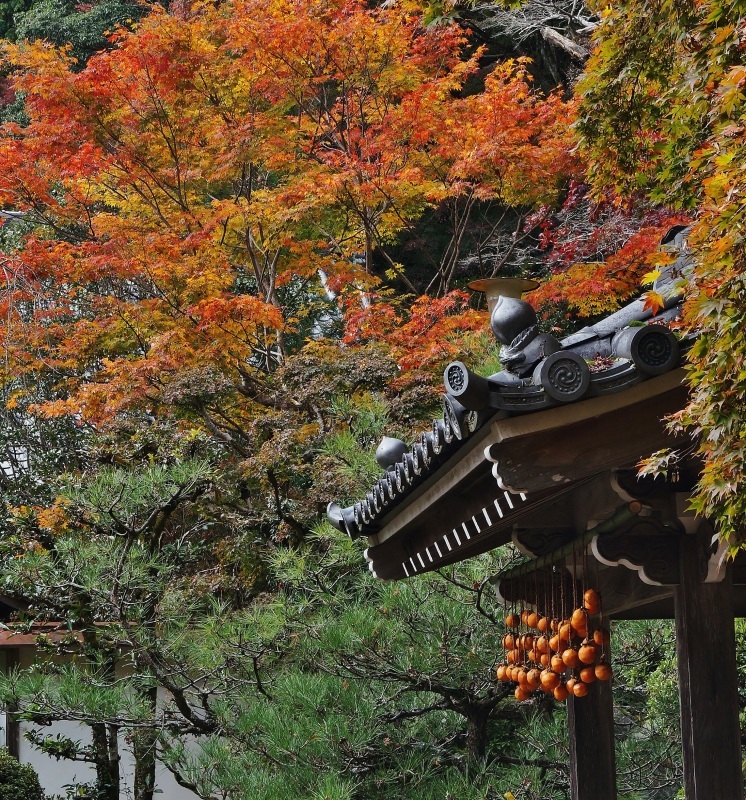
<point>517,467</point>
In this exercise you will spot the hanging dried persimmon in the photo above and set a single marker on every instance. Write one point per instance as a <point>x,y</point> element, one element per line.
<point>601,636</point>
<point>588,652</point>
<point>603,671</point>
<point>588,674</point>
<point>521,694</point>
<point>592,602</point>
<point>570,658</point>
<point>549,680</point>
<point>561,692</point>
<point>542,648</point>
<point>580,689</point>
<point>533,679</point>
<point>579,619</point>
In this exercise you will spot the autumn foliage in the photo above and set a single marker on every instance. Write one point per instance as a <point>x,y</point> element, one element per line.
<point>588,286</point>
<point>201,188</point>
<point>677,134</point>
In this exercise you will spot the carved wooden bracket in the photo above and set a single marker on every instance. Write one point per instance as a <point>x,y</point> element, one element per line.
<point>648,546</point>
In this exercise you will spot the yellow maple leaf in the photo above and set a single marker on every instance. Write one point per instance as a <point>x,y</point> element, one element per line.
<point>654,301</point>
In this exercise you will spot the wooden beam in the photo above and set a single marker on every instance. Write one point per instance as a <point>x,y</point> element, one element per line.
<point>538,460</point>
<point>705,649</point>
<point>552,590</point>
<point>648,547</point>
<point>473,521</point>
<point>625,596</point>
<point>524,436</point>
<point>590,722</point>
<point>538,542</point>
<point>586,410</point>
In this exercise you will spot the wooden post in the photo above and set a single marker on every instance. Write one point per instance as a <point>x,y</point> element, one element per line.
<point>706,654</point>
<point>590,722</point>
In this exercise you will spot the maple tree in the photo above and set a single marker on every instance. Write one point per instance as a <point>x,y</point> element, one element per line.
<point>676,132</point>
<point>191,187</point>
<point>195,204</point>
<point>197,196</point>
<point>599,252</point>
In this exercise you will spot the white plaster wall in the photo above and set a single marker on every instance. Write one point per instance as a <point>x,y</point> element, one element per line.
<point>54,775</point>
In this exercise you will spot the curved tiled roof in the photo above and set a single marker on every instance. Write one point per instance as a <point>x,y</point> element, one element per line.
<point>629,347</point>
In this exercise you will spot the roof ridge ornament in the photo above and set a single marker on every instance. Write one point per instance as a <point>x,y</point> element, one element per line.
<point>539,371</point>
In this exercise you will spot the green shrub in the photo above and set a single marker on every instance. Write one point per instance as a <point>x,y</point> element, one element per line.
<point>18,781</point>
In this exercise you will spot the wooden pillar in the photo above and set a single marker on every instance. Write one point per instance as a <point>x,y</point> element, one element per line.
<point>590,721</point>
<point>706,654</point>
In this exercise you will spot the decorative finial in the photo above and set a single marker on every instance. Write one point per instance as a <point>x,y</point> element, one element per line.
<point>390,451</point>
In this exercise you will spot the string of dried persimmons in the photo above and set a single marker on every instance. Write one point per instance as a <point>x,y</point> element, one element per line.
<point>558,656</point>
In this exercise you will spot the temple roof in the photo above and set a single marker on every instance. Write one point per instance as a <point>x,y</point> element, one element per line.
<point>508,444</point>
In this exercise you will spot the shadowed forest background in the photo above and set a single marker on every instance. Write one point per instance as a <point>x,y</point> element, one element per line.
<point>244,234</point>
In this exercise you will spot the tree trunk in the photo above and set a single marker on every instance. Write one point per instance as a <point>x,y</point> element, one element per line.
<point>106,753</point>
<point>144,750</point>
<point>12,725</point>
<point>105,738</point>
<point>476,733</point>
<point>368,246</point>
